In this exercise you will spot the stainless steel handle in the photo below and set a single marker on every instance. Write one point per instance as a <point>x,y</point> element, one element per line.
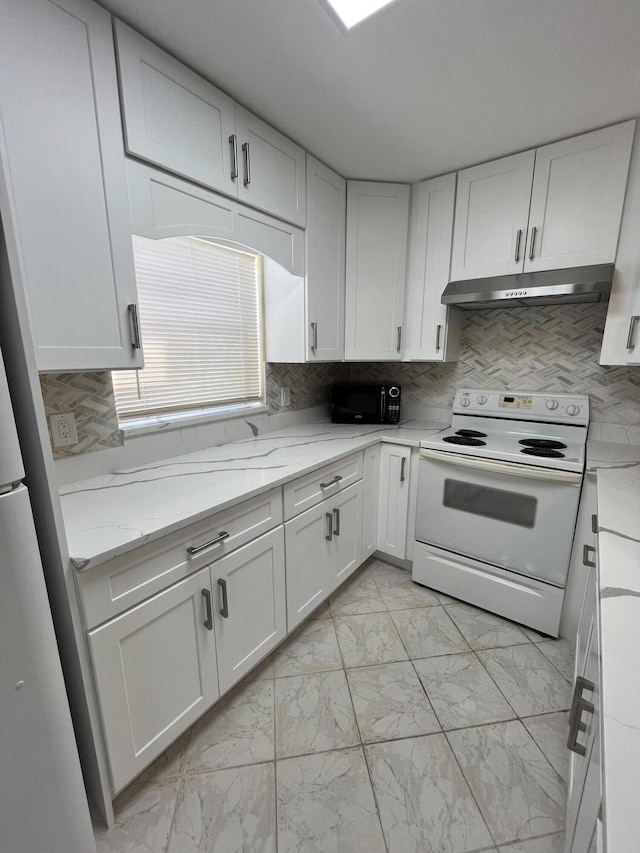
<point>195,549</point>
<point>403,462</point>
<point>497,467</point>
<point>516,257</point>
<point>329,517</point>
<point>534,231</point>
<point>335,480</point>
<point>594,523</point>
<point>233,142</point>
<point>578,706</point>
<point>224,610</point>
<point>632,327</point>
<point>314,332</point>
<point>247,164</point>
<point>585,556</point>
<point>135,325</point>
<point>336,528</point>
<point>399,346</point>
<point>208,622</point>
<point>438,330</point>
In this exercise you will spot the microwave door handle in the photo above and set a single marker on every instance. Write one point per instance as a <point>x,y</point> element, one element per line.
<point>383,406</point>
<point>497,467</point>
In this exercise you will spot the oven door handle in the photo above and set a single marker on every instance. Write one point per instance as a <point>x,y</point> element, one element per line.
<point>497,467</point>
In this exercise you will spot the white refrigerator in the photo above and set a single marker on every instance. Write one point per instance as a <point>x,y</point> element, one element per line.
<point>43,805</point>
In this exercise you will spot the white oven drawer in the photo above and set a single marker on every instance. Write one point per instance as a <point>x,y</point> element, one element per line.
<point>512,516</point>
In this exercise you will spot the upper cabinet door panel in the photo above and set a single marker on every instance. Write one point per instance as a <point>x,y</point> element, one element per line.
<point>272,169</point>
<point>577,199</point>
<point>325,245</point>
<point>173,117</point>
<point>63,194</point>
<point>492,211</point>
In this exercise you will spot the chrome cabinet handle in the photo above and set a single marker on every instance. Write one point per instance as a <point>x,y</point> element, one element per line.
<point>208,622</point>
<point>336,529</point>
<point>399,346</point>
<point>247,164</point>
<point>195,549</point>
<point>438,330</point>
<point>135,325</point>
<point>585,556</point>
<point>403,462</point>
<point>632,327</point>
<point>233,142</point>
<point>578,706</point>
<point>534,231</point>
<point>335,480</point>
<point>224,610</point>
<point>314,340</point>
<point>329,517</point>
<point>594,523</point>
<point>518,240</point>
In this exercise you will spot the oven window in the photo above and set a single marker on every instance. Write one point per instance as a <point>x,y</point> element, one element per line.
<point>510,507</point>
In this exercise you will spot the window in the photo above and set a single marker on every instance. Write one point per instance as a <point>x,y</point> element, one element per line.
<point>200,311</point>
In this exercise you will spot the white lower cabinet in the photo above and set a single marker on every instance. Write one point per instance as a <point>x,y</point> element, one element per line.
<point>371,489</point>
<point>250,612</point>
<point>155,672</point>
<point>323,547</point>
<point>393,509</point>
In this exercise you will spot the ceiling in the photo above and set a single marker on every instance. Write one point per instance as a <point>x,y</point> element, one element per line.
<point>423,88</point>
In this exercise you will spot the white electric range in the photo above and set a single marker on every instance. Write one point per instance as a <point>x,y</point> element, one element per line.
<point>498,496</point>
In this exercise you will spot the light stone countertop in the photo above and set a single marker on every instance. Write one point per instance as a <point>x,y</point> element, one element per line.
<point>112,514</point>
<point>617,466</point>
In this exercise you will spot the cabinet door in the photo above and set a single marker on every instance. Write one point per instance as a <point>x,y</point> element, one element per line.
<point>172,117</point>
<point>377,225</point>
<point>344,549</point>
<point>305,539</point>
<point>325,251</point>
<point>155,672</point>
<point>432,330</point>
<point>62,190</point>
<point>251,583</point>
<point>576,203</point>
<point>394,499</point>
<point>272,169</point>
<point>371,490</point>
<point>492,211</point>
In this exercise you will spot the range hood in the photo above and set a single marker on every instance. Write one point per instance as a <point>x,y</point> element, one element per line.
<point>552,287</point>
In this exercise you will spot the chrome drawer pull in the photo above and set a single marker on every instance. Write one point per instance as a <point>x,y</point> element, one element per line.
<point>438,330</point>
<point>208,622</point>
<point>314,332</point>
<point>578,706</point>
<point>224,610</point>
<point>247,164</point>
<point>594,523</point>
<point>329,517</point>
<point>233,142</point>
<point>195,549</point>
<point>335,480</point>
<point>403,462</point>
<point>135,325</point>
<point>632,328</point>
<point>518,239</point>
<point>336,529</point>
<point>585,556</point>
<point>534,231</point>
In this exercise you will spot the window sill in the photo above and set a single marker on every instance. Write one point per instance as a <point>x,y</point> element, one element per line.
<point>163,423</point>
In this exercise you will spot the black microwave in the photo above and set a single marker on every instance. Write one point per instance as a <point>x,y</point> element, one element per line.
<point>365,404</point>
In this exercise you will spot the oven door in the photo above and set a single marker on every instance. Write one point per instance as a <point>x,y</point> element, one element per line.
<point>518,517</point>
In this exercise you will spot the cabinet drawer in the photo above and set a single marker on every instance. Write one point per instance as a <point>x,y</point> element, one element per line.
<point>309,490</point>
<point>128,580</point>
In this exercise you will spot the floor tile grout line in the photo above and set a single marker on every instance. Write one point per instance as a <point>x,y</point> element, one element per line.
<point>537,645</point>
<point>535,740</point>
<point>493,681</point>
<point>375,798</point>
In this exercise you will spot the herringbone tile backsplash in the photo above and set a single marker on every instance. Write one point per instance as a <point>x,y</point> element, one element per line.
<point>554,348</point>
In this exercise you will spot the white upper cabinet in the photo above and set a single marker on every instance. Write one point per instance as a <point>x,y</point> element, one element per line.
<point>577,198</point>
<point>566,212</point>
<point>432,330</point>
<point>492,212</point>
<point>377,226</point>
<point>62,187</point>
<point>178,120</point>
<point>325,255</point>
<point>172,117</point>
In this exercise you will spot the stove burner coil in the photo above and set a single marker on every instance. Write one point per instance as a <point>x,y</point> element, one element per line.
<point>545,443</point>
<point>471,433</point>
<point>547,452</point>
<point>464,440</point>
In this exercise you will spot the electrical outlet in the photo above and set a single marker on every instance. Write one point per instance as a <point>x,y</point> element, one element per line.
<point>63,429</point>
<point>285,396</point>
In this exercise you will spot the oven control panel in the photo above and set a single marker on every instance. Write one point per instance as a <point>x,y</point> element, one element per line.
<point>533,406</point>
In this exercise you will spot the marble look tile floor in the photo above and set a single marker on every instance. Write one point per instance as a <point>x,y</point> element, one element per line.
<point>395,720</point>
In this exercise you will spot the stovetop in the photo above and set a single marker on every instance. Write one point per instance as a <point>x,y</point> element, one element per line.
<point>527,428</point>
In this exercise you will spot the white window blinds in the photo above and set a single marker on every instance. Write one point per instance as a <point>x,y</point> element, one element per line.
<point>201,324</point>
